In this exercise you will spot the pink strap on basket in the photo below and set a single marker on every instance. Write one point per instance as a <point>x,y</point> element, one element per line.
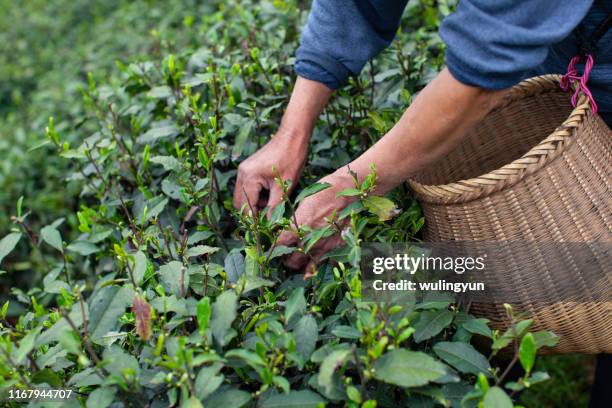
<point>572,76</point>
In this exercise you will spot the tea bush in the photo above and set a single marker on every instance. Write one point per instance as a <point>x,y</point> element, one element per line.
<point>154,291</point>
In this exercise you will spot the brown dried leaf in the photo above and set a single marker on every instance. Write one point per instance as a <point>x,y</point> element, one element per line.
<point>142,312</point>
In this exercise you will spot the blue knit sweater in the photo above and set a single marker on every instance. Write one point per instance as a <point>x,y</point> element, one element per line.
<point>490,44</point>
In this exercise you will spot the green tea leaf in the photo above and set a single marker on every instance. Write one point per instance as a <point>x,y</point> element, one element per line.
<point>306,333</point>
<point>349,192</point>
<point>107,305</point>
<point>545,339</point>
<point>101,397</point>
<point>295,399</point>
<point>140,267</point>
<point>26,345</point>
<point>527,352</point>
<point>463,357</point>
<point>330,364</point>
<point>52,237</point>
<point>223,314</point>
<point>295,306</point>
<point>497,398</point>
<point>84,248</point>
<point>203,313</point>
<point>234,266</point>
<point>200,250</point>
<point>174,278</point>
<point>408,368</point>
<point>230,398</point>
<point>163,131</point>
<point>207,381</point>
<point>310,190</point>
<point>431,323</point>
<point>8,243</point>
<point>382,207</point>
<point>242,138</point>
<point>478,326</point>
<point>346,332</point>
<point>169,163</point>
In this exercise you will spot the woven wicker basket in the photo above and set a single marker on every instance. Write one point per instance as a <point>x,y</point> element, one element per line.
<point>535,170</point>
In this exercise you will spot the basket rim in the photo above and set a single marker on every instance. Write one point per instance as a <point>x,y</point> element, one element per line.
<point>537,157</point>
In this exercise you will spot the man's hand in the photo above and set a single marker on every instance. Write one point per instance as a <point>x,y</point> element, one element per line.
<point>286,153</point>
<point>283,156</point>
<point>316,211</point>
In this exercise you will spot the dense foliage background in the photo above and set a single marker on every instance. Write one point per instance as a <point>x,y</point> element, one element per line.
<point>130,278</point>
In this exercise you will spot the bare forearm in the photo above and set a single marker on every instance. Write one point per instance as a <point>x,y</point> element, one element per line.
<point>434,124</point>
<point>306,104</point>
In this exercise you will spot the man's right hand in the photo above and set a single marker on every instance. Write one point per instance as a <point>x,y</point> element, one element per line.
<point>285,154</point>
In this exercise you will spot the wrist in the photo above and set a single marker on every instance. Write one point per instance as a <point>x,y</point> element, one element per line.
<point>292,139</point>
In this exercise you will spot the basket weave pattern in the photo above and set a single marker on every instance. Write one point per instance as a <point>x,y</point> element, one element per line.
<point>535,170</point>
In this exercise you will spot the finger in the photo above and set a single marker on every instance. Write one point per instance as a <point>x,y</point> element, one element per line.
<point>276,197</point>
<point>296,260</point>
<point>237,199</point>
<point>247,194</point>
<point>326,245</point>
<point>287,238</point>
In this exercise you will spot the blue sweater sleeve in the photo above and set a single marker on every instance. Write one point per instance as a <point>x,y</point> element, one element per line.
<point>341,36</point>
<point>494,44</point>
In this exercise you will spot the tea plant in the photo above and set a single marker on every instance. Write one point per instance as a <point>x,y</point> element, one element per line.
<point>156,292</point>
